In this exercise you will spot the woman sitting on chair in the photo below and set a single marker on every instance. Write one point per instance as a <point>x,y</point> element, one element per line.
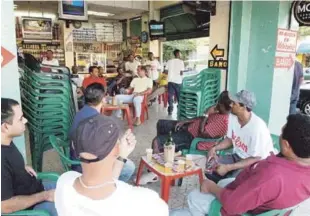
<point>212,125</point>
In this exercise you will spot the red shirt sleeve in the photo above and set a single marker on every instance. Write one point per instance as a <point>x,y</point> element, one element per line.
<point>250,193</point>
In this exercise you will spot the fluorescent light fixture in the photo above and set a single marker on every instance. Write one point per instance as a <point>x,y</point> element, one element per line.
<point>95,13</point>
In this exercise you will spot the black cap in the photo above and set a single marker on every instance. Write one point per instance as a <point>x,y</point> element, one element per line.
<point>95,135</point>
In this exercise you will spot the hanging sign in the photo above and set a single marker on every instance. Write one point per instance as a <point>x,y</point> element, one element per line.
<point>286,41</point>
<point>301,10</point>
<point>218,61</point>
<point>284,62</point>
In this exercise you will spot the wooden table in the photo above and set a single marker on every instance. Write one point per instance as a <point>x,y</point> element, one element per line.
<point>124,107</point>
<point>166,178</point>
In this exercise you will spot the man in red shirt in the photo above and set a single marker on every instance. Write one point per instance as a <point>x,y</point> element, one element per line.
<point>278,182</point>
<point>93,78</point>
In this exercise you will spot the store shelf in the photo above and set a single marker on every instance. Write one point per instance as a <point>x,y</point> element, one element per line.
<point>38,41</point>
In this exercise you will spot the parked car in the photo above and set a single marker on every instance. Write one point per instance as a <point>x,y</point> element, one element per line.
<point>304,98</point>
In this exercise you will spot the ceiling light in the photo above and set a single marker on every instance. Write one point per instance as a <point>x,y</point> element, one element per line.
<point>95,13</point>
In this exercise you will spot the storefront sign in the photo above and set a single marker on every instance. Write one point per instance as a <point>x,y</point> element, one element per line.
<point>286,41</point>
<point>217,63</point>
<point>284,62</point>
<point>6,57</point>
<point>301,10</point>
<point>37,28</point>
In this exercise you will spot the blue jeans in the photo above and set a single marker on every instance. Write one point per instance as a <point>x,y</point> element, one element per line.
<point>199,203</point>
<point>126,173</point>
<point>173,89</point>
<point>293,106</point>
<point>47,206</point>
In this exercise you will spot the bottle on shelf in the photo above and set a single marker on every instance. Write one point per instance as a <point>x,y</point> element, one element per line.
<point>169,149</point>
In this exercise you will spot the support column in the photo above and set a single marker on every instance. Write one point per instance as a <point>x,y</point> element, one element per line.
<point>9,72</point>
<point>219,30</point>
<point>253,40</point>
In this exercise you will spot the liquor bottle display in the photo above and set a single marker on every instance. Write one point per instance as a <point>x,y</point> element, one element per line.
<point>169,149</point>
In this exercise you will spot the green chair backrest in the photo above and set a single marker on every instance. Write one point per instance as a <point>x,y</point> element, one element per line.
<point>62,148</point>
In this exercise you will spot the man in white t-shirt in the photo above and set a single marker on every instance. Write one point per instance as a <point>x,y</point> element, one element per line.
<point>154,66</point>
<point>131,66</point>
<point>139,86</point>
<point>50,60</point>
<point>247,134</point>
<point>175,68</point>
<point>92,194</point>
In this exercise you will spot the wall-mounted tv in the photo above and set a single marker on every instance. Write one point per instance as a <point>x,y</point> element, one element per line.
<point>73,10</point>
<point>157,30</point>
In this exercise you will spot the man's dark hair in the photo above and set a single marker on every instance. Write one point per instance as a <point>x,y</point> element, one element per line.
<point>118,69</point>
<point>297,133</point>
<point>144,68</point>
<point>175,52</point>
<point>225,100</point>
<point>94,94</point>
<point>7,112</point>
<point>50,51</point>
<point>91,68</point>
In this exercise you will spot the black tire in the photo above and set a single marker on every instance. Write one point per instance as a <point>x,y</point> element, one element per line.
<point>306,108</point>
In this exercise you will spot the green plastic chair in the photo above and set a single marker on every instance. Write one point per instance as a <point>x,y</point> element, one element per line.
<point>215,210</point>
<point>43,176</point>
<point>62,148</point>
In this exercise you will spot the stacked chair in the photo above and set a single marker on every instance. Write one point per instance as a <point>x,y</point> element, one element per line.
<point>48,104</point>
<point>198,92</point>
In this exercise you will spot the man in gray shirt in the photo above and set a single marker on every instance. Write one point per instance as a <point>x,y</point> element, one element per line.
<point>297,81</point>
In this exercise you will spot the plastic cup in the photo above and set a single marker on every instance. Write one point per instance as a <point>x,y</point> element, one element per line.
<point>189,160</point>
<point>181,165</point>
<point>149,154</point>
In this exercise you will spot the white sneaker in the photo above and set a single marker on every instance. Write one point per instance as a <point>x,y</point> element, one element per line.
<point>148,178</point>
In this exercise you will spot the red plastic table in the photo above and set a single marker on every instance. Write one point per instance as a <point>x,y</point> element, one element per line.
<point>124,107</point>
<point>166,178</point>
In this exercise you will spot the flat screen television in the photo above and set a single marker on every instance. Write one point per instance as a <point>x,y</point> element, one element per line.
<point>73,10</point>
<point>157,29</point>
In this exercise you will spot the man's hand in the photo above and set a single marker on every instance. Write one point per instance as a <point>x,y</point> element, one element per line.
<point>127,144</point>
<point>49,195</point>
<point>31,171</point>
<point>206,186</point>
<point>212,154</point>
<point>222,169</point>
<point>179,125</point>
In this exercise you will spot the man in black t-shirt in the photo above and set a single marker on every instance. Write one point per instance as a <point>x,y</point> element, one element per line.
<point>20,189</point>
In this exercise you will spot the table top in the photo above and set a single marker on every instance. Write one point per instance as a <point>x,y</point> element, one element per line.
<point>161,169</point>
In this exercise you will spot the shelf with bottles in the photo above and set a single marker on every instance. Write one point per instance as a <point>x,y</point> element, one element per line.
<point>39,50</point>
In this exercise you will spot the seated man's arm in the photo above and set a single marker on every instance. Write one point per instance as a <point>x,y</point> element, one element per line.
<point>241,164</point>
<point>225,144</point>
<point>18,203</point>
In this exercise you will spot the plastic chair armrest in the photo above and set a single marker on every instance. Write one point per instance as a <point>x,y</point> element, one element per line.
<point>53,176</point>
<point>28,212</point>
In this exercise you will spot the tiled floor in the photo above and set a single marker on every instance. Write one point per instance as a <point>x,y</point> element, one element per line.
<point>144,135</point>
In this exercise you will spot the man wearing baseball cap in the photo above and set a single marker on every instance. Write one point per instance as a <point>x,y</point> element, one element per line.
<point>95,191</point>
<point>247,134</point>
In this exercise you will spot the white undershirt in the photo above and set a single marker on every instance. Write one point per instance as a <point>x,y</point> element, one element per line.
<point>53,62</point>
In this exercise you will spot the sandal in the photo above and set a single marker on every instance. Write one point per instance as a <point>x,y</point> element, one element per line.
<point>148,178</point>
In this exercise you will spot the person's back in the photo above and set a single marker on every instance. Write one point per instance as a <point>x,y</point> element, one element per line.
<point>174,67</point>
<point>271,182</point>
<point>125,200</point>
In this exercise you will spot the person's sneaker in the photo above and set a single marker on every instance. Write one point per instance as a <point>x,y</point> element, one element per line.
<point>138,122</point>
<point>148,178</point>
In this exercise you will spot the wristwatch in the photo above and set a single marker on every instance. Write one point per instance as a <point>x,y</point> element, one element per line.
<point>124,160</point>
